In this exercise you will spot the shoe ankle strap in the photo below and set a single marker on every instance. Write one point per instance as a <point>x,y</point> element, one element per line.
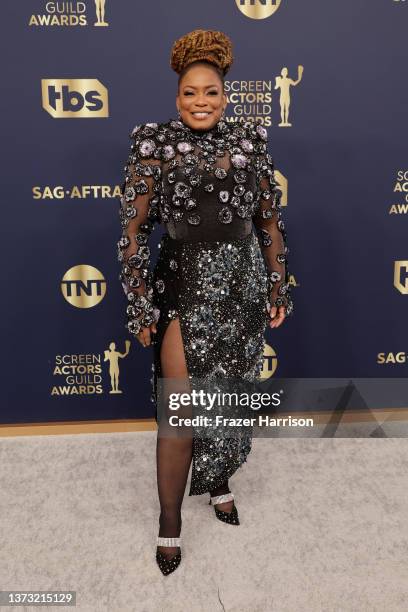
<point>220,499</point>
<point>168,541</point>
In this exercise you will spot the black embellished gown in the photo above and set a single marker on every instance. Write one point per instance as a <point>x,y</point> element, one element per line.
<point>222,260</point>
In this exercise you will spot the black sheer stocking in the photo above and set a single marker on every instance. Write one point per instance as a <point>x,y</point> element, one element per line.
<point>174,444</point>
<point>221,490</point>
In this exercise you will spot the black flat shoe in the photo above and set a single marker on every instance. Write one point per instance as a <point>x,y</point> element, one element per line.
<point>167,566</point>
<point>227,517</point>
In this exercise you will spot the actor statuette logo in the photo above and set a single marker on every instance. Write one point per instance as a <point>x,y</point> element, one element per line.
<point>83,286</point>
<point>112,356</point>
<point>74,98</point>
<point>255,99</point>
<point>100,13</point>
<point>85,374</point>
<point>258,9</point>
<point>284,83</point>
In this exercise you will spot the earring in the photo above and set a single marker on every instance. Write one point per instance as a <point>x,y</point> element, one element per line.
<point>178,113</point>
<point>223,115</point>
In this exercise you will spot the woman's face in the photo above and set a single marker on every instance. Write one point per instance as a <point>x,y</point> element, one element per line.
<point>200,98</point>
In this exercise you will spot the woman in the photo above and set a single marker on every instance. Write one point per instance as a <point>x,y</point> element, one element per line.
<point>220,277</point>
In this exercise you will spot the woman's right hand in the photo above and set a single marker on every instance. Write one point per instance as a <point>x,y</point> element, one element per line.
<point>144,336</point>
<point>277,316</point>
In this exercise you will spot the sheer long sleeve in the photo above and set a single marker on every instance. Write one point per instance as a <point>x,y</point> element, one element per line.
<point>271,228</point>
<point>138,212</point>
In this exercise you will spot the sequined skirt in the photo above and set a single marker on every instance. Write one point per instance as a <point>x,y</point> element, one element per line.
<point>218,290</point>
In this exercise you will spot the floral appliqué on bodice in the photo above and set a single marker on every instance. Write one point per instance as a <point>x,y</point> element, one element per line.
<point>217,184</point>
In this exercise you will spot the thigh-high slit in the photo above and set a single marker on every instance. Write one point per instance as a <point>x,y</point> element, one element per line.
<point>202,286</point>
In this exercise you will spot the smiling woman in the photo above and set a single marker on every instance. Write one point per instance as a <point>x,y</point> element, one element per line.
<point>220,277</point>
<point>201,100</point>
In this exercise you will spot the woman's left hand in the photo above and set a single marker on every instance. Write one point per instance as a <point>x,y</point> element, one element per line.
<point>277,316</point>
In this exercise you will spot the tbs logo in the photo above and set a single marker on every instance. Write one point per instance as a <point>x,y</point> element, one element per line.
<point>74,98</point>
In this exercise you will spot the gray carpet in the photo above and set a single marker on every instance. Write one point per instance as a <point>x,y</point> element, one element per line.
<point>323,527</point>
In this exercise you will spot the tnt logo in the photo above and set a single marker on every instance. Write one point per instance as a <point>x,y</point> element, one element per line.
<point>270,362</point>
<point>83,286</point>
<point>74,98</point>
<point>258,9</point>
<point>401,276</point>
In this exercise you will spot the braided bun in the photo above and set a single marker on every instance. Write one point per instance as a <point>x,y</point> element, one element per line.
<point>206,45</point>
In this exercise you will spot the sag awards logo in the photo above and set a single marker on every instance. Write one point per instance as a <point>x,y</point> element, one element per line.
<point>74,98</point>
<point>83,374</point>
<point>393,358</point>
<point>75,192</point>
<point>83,286</point>
<point>258,9</point>
<point>401,276</point>
<point>400,188</point>
<point>252,100</point>
<point>283,187</point>
<point>71,14</point>
<point>76,374</point>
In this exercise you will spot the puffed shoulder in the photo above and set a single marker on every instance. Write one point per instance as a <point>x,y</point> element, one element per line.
<point>146,129</point>
<point>147,141</point>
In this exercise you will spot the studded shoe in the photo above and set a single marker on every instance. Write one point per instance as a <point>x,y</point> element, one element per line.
<point>168,565</point>
<point>227,517</point>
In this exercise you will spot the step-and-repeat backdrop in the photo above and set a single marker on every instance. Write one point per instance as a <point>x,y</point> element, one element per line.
<point>327,80</point>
